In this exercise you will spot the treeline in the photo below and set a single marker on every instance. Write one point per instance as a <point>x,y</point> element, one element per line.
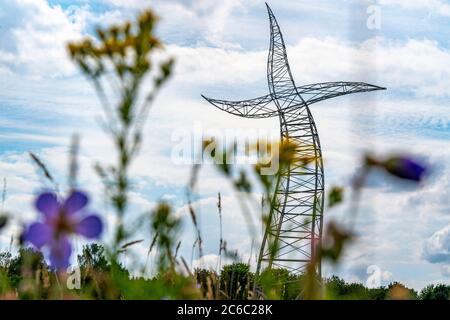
<point>237,282</point>
<point>27,276</point>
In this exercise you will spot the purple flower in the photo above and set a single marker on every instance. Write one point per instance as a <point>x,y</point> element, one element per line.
<point>61,219</point>
<point>405,168</point>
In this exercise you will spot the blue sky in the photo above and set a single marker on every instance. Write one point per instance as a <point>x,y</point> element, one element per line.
<point>221,51</point>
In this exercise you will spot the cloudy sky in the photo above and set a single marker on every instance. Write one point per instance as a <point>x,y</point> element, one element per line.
<point>220,49</point>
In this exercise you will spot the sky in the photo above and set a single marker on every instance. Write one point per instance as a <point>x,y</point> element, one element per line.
<point>220,48</point>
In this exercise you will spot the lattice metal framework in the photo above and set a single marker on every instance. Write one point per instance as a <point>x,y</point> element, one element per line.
<point>298,219</point>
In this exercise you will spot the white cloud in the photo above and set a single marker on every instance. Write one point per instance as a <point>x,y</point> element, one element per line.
<point>209,262</point>
<point>437,247</point>
<point>35,35</point>
<point>417,66</point>
<point>206,18</point>
<point>435,6</point>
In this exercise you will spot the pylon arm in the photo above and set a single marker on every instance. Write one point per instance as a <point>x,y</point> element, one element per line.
<point>263,108</point>
<point>254,108</point>
<point>322,91</point>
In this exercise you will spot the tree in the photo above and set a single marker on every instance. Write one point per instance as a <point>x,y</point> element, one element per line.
<point>29,274</point>
<point>338,289</point>
<point>26,263</point>
<point>435,292</point>
<point>235,281</point>
<point>93,258</point>
<point>96,272</point>
<point>5,260</point>
<point>398,291</point>
<point>279,283</point>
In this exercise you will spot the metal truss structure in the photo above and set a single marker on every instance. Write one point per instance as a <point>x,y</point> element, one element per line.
<point>297,223</point>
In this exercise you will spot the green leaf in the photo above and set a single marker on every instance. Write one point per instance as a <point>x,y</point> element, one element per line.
<point>336,196</point>
<point>3,221</point>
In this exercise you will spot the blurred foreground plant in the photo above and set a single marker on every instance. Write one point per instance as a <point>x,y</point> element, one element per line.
<point>62,219</point>
<point>402,167</point>
<point>165,226</point>
<point>121,58</point>
<point>337,236</point>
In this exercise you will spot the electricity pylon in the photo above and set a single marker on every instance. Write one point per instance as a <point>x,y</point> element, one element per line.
<point>297,223</point>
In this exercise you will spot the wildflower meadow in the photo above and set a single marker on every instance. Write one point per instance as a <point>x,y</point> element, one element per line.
<point>74,247</point>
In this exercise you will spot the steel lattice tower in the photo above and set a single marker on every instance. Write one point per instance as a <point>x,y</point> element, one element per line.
<point>298,219</point>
